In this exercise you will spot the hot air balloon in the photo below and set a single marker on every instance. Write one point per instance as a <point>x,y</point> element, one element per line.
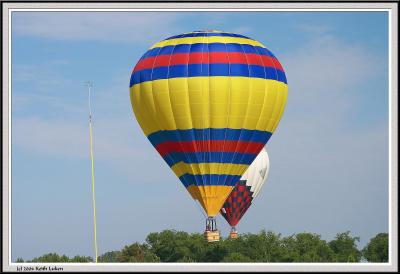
<point>208,101</point>
<point>246,189</point>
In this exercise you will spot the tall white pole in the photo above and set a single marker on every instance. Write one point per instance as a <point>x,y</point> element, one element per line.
<point>89,86</point>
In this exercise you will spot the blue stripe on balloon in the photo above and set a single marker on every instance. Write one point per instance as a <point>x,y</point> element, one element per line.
<point>193,70</point>
<point>207,47</point>
<point>281,76</point>
<point>209,157</point>
<point>229,134</point>
<point>209,179</point>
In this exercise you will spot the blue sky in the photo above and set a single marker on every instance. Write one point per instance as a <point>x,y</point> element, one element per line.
<point>329,155</point>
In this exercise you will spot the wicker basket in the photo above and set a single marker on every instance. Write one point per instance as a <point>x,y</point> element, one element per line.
<point>211,236</point>
<point>233,235</point>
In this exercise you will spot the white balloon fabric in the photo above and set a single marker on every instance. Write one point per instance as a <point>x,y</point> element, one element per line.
<point>256,175</point>
<point>246,189</point>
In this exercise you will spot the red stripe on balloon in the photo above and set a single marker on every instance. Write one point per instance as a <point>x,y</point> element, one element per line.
<point>209,146</point>
<point>207,58</point>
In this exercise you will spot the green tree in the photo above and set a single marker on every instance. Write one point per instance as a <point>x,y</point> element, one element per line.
<point>197,247</point>
<point>238,245</point>
<point>81,259</point>
<point>236,257</point>
<point>162,244</point>
<point>344,247</point>
<point>51,258</point>
<point>179,246</point>
<point>109,257</point>
<point>137,253</point>
<point>215,252</point>
<point>306,247</point>
<point>261,247</point>
<point>19,260</point>
<point>377,250</point>
<point>174,246</point>
<point>186,260</point>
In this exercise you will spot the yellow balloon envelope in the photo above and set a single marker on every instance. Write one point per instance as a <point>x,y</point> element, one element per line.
<point>208,101</point>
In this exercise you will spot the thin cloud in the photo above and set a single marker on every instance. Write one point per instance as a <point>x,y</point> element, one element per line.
<point>326,79</point>
<point>69,138</point>
<point>243,30</point>
<point>56,137</point>
<point>40,86</point>
<point>119,144</point>
<point>313,28</point>
<point>326,63</point>
<point>44,75</point>
<point>90,26</point>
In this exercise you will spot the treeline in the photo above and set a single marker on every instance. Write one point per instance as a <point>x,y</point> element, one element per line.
<point>179,246</point>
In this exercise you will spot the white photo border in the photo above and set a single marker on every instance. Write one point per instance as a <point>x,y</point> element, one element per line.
<point>390,7</point>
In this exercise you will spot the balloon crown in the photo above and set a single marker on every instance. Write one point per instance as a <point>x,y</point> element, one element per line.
<point>208,30</point>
